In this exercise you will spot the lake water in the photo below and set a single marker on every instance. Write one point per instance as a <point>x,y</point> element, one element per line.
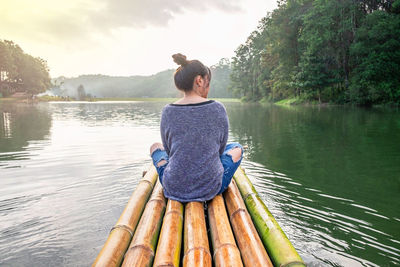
<point>329,175</point>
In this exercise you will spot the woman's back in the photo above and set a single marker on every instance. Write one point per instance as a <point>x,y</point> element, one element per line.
<point>194,136</point>
<point>194,163</point>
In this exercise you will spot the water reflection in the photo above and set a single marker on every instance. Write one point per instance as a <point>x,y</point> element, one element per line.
<point>343,165</point>
<point>109,112</point>
<point>81,173</point>
<point>328,175</point>
<point>6,124</point>
<point>21,124</point>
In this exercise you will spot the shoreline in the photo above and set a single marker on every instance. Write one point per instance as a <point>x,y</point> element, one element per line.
<point>287,102</point>
<point>293,102</point>
<point>106,99</point>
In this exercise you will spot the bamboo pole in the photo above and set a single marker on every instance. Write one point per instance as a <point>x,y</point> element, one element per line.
<point>142,248</point>
<point>225,250</point>
<point>197,252</point>
<point>121,234</point>
<point>251,247</point>
<point>170,240</point>
<point>279,248</point>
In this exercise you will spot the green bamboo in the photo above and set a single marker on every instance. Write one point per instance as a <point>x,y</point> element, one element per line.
<point>121,234</point>
<point>249,242</point>
<point>280,250</point>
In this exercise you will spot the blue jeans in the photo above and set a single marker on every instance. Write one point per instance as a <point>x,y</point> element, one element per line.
<point>230,167</point>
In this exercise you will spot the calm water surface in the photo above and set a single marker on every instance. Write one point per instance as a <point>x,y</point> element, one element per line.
<point>330,176</point>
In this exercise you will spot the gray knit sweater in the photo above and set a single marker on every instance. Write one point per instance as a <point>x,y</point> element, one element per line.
<point>194,136</point>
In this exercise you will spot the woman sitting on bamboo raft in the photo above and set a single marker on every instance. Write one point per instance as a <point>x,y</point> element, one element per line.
<point>194,163</point>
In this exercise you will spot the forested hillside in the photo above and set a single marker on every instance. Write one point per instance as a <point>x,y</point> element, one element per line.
<point>108,86</point>
<point>342,51</point>
<point>157,85</point>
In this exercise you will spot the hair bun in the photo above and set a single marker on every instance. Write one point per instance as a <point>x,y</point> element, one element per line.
<point>180,59</point>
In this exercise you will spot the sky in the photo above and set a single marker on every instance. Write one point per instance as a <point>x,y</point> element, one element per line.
<point>128,37</point>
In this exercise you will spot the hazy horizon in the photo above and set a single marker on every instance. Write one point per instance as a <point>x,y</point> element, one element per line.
<point>114,76</point>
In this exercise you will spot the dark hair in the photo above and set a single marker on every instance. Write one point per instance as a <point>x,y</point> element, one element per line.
<point>188,70</point>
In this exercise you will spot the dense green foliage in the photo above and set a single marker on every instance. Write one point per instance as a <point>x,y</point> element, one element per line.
<point>342,51</point>
<point>220,79</point>
<point>21,72</point>
<point>157,85</point>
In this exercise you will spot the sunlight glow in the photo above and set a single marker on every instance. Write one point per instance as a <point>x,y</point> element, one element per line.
<point>91,37</point>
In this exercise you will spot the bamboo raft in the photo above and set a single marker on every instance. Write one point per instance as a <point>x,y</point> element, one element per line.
<point>151,229</point>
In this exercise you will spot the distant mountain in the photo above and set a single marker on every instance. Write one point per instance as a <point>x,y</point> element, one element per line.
<point>157,85</point>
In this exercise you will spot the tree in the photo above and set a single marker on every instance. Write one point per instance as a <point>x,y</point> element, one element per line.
<point>285,28</point>
<point>327,35</point>
<point>20,71</point>
<point>220,80</point>
<point>376,56</point>
<point>81,92</point>
<point>326,50</point>
<point>247,65</point>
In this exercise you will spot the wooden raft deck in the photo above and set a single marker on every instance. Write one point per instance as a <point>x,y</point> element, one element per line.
<point>154,231</point>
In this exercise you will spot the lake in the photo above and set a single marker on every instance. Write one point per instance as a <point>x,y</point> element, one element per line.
<point>329,175</point>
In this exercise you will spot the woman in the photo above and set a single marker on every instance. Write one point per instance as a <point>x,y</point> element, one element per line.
<point>193,162</point>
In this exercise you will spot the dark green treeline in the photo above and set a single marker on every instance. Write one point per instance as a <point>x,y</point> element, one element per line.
<point>342,51</point>
<point>20,71</point>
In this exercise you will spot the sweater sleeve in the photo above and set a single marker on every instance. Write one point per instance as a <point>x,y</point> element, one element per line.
<point>225,132</point>
<point>163,132</point>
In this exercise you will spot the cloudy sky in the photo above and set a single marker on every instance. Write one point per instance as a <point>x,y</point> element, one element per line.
<point>128,37</point>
